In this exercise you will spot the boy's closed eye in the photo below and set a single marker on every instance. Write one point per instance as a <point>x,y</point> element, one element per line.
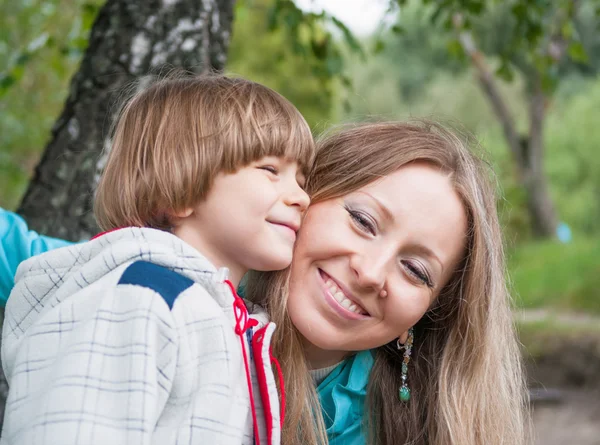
<point>275,170</point>
<point>270,168</point>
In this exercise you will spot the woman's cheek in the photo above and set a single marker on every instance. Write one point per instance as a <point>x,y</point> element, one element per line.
<point>408,309</point>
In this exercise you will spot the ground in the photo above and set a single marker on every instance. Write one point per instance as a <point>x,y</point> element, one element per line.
<point>575,420</point>
<point>563,361</point>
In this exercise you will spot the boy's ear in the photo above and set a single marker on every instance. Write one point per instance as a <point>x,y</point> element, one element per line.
<point>183,213</point>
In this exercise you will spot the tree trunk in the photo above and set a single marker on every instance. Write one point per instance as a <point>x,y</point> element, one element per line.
<point>539,202</point>
<point>129,39</point>
<point>528,153</point>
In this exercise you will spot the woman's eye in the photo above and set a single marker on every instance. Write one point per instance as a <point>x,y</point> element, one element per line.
<point>270,169</point>
<point>362,221</point>
<point>418,273</point>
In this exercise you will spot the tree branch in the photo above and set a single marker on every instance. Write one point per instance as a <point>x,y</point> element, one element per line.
<point>490,89</point>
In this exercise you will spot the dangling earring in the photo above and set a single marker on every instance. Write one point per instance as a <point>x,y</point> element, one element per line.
<point>404,392</point>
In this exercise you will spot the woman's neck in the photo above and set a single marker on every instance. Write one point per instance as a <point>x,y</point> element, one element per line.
<point>318,358</point>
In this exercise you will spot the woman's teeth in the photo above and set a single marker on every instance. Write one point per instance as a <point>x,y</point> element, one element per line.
<point>341,298</point>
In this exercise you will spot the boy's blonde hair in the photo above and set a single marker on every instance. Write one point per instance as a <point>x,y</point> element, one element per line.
<point>174,136</point>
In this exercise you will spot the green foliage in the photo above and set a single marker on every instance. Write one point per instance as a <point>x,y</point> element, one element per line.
<point>41,42</point>
<point>438,88</point>
<point>265,51</point>
<point>313,36</point>
<point>572,162</point>
<point>47,14</point>
<point>546,39</point>
<point>530,36</point>
<point>554,275</point>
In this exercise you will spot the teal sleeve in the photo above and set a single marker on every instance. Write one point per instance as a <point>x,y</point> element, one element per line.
<point>18,243</point>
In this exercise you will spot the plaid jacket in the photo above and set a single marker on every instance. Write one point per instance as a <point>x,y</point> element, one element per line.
<point>134,338</point>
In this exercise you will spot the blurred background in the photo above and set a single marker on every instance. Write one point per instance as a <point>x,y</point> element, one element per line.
<point>522,76</point>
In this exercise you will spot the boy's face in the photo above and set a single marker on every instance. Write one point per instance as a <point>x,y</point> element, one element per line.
<point>250,218</point>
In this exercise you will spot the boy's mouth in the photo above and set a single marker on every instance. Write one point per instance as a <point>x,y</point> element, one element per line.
<point>293,226</point>
<point>286,228</point>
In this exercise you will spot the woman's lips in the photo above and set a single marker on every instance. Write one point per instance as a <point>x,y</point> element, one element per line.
<point>346,308</point>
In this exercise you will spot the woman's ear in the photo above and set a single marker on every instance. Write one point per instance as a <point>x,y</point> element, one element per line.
<point>403,337</point>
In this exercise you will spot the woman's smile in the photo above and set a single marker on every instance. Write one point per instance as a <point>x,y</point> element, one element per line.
<point>341,301</point>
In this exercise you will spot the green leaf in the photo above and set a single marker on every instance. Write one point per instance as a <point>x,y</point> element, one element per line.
<point>18,71</point>
<point>293,17</point>
<point>437,14</point>
<point>567,30</point>
<point>272,16</point>
<point>455,48</point>
<point>298,47</point>
<point>347,106</point>
<point>346,81</point>
<point>348,36</point>
<point>379,46</point>
<point>549,82</point>
<point>319,48</point>
<point>334,65</point>
<point>6,81</point>
<point>23,58</point>
<point>519,10</point>
<point>399,30</point>
<point>475,7</point>
<point>90,11</point>
<point>80,43</point>
<point>505,72</point>
<point>577,52</point>
<point>90,8</point>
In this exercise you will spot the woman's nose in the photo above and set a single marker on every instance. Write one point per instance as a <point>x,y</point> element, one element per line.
<point>369,270</point>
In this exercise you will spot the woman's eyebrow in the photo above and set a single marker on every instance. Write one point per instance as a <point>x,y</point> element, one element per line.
<point>384,209</point>
<point>424,250</point>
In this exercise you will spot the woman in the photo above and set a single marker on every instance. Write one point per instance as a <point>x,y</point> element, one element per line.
<point>403,225</point>
<point>401,239</point>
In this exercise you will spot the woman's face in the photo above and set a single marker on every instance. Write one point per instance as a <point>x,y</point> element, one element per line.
<point>369,264</point>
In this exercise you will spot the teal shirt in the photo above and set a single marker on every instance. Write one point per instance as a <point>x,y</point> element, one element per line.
<point>342,395</point>
<point>17,244</point>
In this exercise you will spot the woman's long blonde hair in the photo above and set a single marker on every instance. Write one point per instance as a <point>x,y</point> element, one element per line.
<point>466,378</point>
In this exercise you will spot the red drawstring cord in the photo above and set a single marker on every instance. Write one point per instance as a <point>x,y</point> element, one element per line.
<point>242,324</point>
<point>281,387</point>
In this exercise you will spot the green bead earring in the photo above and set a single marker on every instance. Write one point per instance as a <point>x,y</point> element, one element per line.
<point>404,392</point>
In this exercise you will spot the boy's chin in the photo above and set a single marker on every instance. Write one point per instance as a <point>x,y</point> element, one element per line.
<point>278,262</point>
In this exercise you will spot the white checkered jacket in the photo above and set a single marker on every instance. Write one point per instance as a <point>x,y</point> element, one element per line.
<point>134,338</point>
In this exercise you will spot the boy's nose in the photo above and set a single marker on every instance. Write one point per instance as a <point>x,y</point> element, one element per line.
<point>296,196</point>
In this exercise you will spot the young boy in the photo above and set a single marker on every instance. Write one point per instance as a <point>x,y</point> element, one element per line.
<point>138,336</point>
